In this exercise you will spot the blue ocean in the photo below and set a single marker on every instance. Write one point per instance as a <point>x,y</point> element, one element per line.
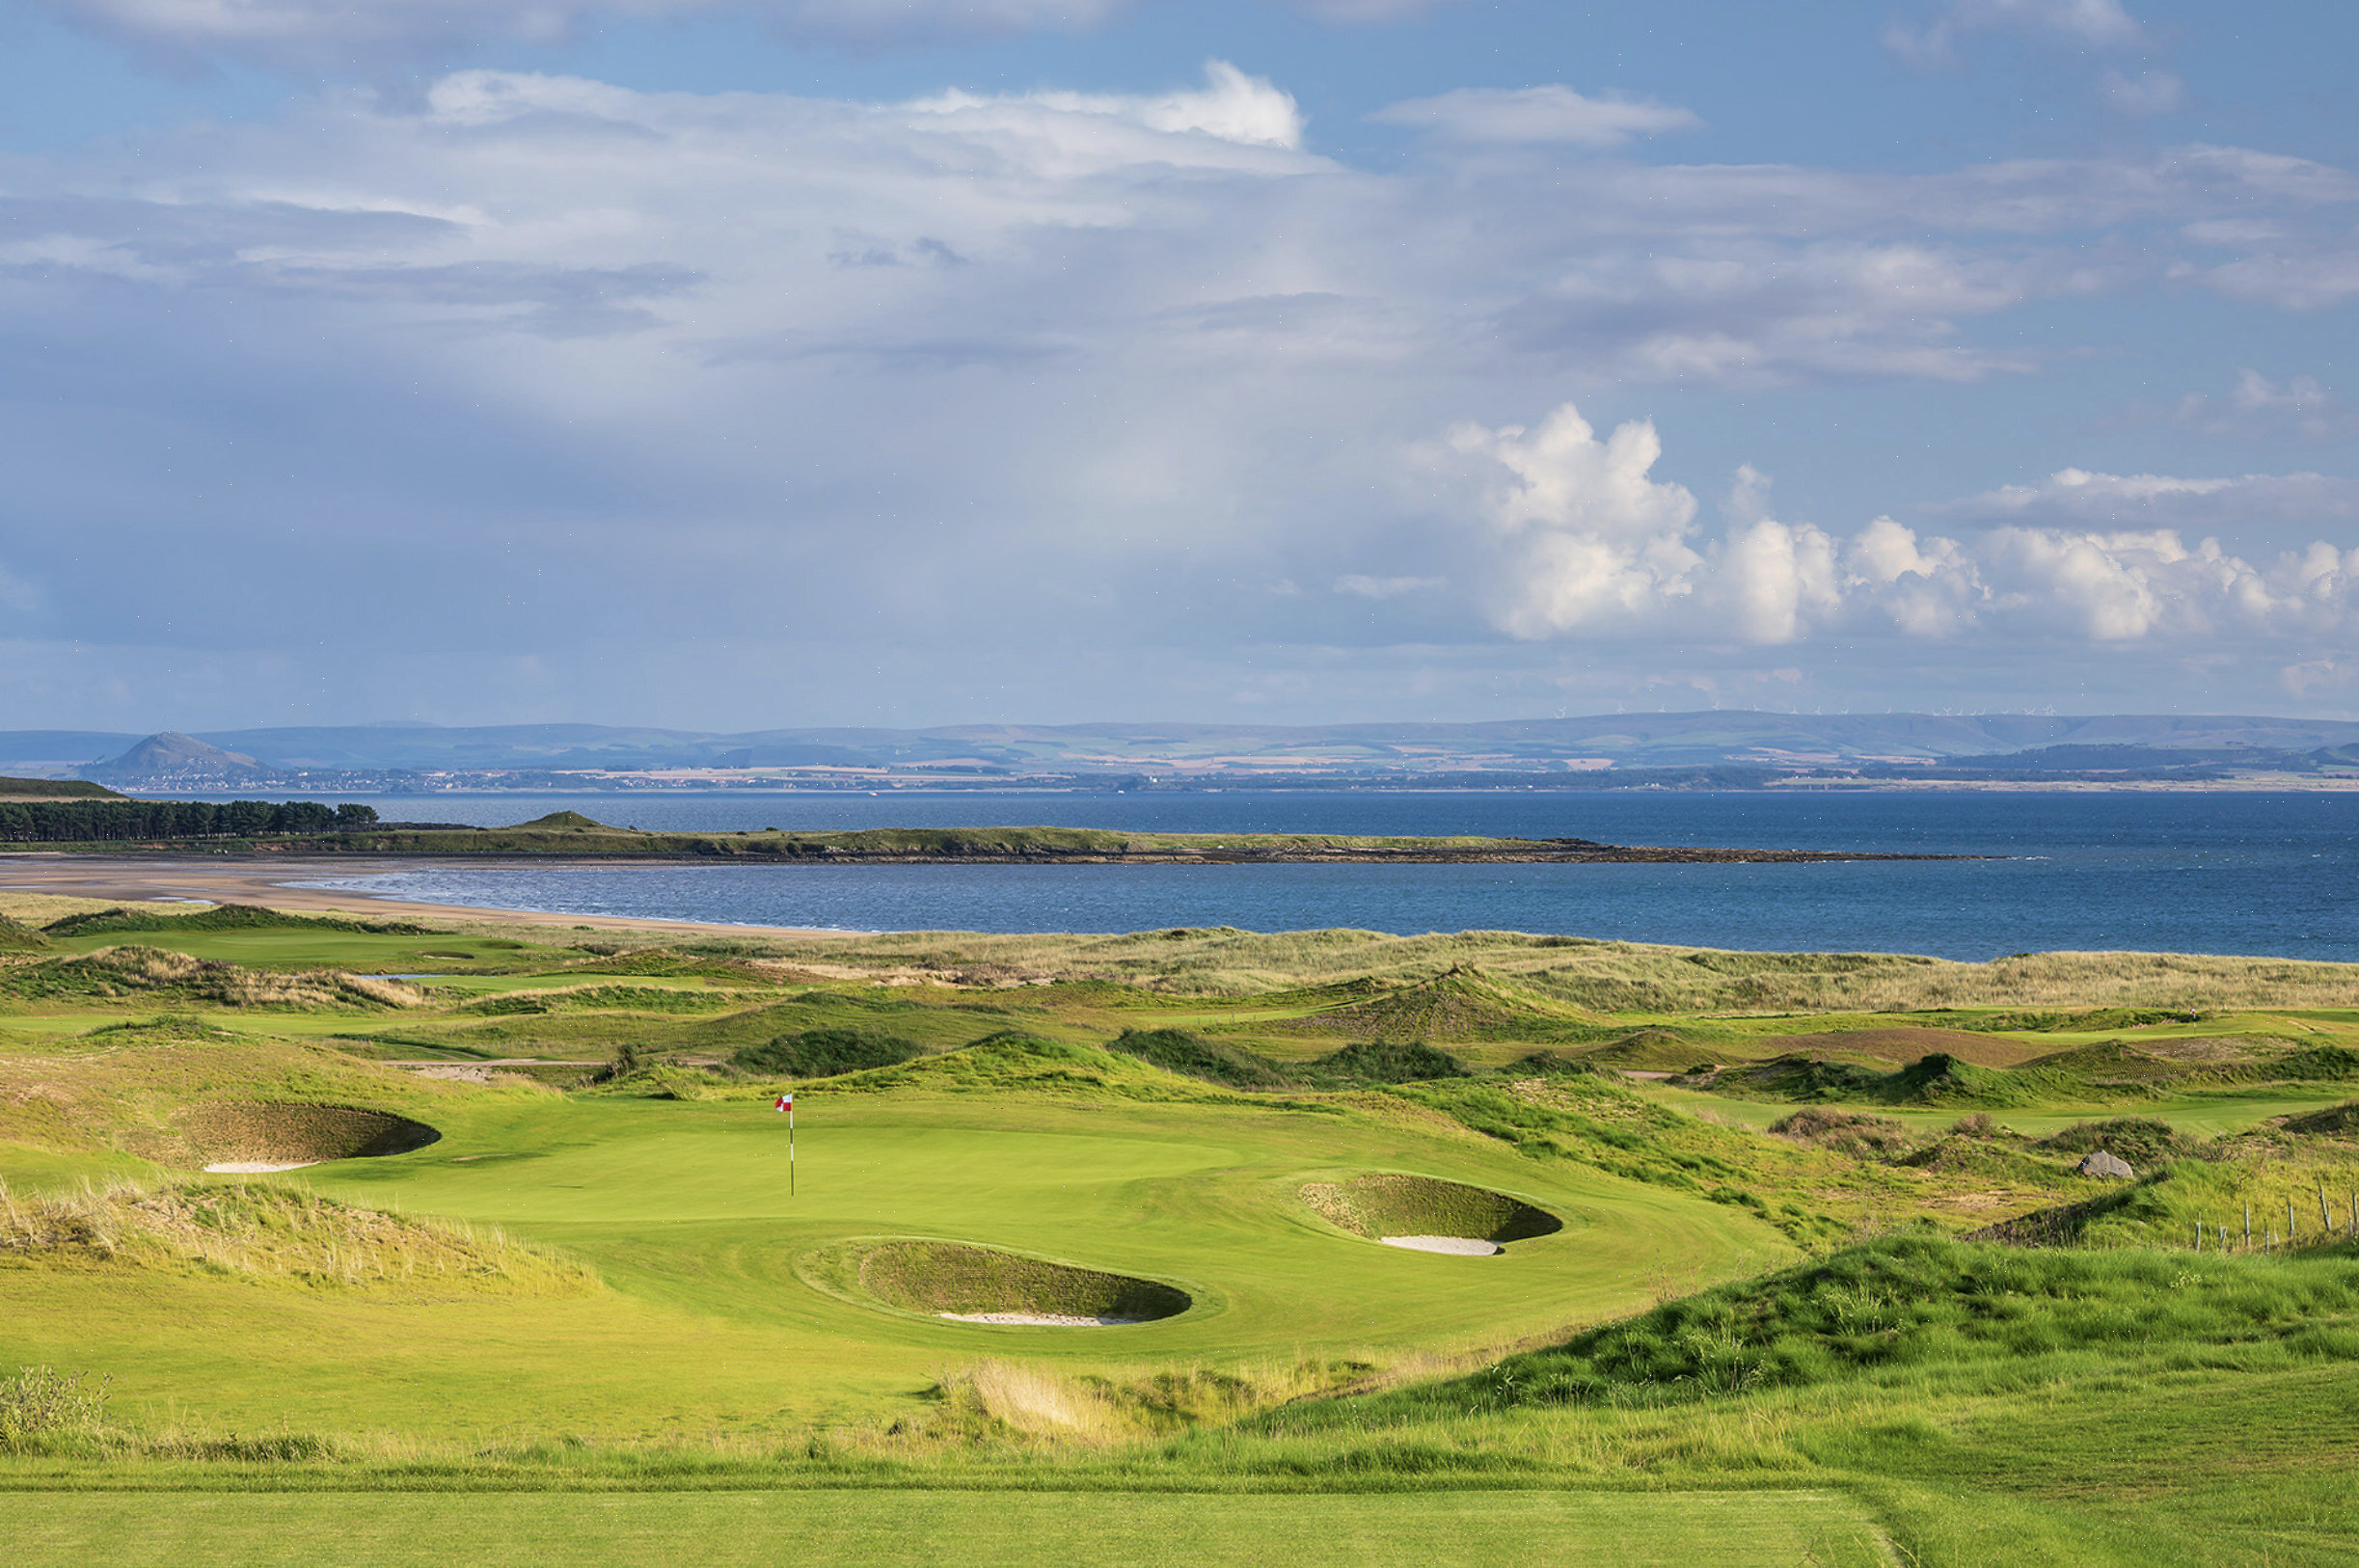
<point>2274,873</point>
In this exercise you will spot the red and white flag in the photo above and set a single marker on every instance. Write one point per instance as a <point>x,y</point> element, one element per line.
<point>786,1103</point>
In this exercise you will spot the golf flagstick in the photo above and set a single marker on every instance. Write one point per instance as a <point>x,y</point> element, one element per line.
<point>786,1103</point>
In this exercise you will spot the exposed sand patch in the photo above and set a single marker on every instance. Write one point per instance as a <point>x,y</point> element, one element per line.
<point>1041,1320</point>
<point>254,1167</point>
<point>1459,1246</point>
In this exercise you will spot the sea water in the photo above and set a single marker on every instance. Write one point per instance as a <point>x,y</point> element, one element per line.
<point>2224,871</point>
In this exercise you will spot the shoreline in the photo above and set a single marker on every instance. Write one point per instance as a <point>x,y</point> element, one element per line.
<point>127,880</point>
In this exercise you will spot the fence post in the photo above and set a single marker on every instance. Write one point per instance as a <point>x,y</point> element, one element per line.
<point>2326,1219</point>
<point>2248,1225</point>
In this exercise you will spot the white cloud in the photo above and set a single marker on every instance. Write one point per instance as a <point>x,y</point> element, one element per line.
<point>1927,587</point>
<point>2297,276</point>
<point>1582,535</point>
<point>332,34</point>
<point>1581,541</point>
<point>2128,586</point>
<point>1380,588</point>
<point>2093,24</point>
<point>1231,107</point>
<point>2116,499</point>
<point>1554,113</point>
<point>2144,93</point>
<point>1371,11</point>
<point>344,37</point>
<point>2257,406</point>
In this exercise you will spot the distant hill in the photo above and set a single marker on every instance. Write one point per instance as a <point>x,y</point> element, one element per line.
<point>1992,742</point>
<point>174,758</point>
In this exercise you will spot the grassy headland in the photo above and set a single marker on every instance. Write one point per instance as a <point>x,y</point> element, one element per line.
<point>110,828</point>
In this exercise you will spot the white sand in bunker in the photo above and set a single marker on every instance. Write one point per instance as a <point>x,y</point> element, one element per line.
<point>1041,1320</point>
<point>1460,1246</point>
<point>254,1167</point>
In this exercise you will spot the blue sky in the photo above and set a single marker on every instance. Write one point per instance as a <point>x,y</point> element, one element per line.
<point>927,361</point>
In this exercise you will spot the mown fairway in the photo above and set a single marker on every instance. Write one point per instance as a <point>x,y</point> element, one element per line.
<point>975,1529</point>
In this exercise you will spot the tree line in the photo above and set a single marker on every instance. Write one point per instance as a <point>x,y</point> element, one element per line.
<point>71,821</point>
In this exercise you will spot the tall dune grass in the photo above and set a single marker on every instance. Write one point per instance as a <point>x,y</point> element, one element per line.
<point>1595,976</point>
<point>278,1233</point>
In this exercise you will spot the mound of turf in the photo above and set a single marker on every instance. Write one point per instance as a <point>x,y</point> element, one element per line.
<point>935,1277</point>
<point>1652,1050</point>
<point>2140,1140</point>
<point>2321,1064</point>
<point>1550,1065</point>
<point>1797,1076</point>
<point>2112,1064</point>
<point>16,937</point>
<point>1387,1062</point>
<point>1910,1308</point>
<point>824,1053</point>
<point>1941,1079</point>
<point>1969,1157</point>
<point>1013,1062</point>
<point>1458,1004</point>
<point>563,818</point>
<point>2085,1020</point>
<point>2335,1120</point>
<point>1847,1132</point>
<point>1391,1204</point>
<point>221,917</point>
<point>1192,1056</point>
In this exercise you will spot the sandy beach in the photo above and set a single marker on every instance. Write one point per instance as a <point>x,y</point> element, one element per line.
<point>266,884</point>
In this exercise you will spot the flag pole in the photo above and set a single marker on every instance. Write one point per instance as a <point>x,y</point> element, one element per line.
<point>790,1148</point>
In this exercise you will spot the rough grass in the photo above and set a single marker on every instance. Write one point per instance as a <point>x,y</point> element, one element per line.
<point>2287,1204</point>
<point>1909,1306</point>
<point>1604,977</point>
<point>1856,1134</point>
<point>2140,1140</point>
<point>152,976</point>
<point>1189,1054</point>
<point>824,1053</point>
<point>273,1231</point>
<point>1385,1062</point>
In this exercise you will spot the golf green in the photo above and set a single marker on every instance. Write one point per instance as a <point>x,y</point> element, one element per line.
<point>719,1315</point>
